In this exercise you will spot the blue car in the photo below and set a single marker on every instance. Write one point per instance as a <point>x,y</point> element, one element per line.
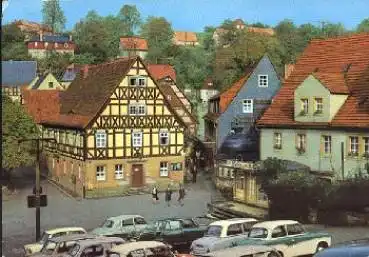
<point>357,248</point>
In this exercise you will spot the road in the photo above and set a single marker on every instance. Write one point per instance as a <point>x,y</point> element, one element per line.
<point>18,221</point>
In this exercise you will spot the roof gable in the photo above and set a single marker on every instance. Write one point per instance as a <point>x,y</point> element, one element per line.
<point>41,81</point>
<point>160,71</point>
<point>17,73</point>
<point>335,82</point>
<point>343,54</point>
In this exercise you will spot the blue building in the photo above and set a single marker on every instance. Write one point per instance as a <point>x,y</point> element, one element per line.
<point>236,134</point>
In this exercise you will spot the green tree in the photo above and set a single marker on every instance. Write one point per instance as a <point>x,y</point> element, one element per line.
<point>130,17</point>
<point>333,29</point>
<point>363,26</point>
<point>12,44</point>
<point>159,34</point>
<point>54,62</point>
<point>16,125</point>
<point>53,15</point>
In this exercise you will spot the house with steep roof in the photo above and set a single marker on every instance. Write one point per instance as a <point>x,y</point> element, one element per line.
<point>185,38</point>
<point>16,75</point>
<point>133,45</point>
<point>39,45</point>
<point>165,75</point>
<point>45,82</point>
<point>115,130</point>
<point>320,117</point>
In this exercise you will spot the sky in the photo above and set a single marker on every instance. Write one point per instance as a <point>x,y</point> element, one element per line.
<point>194,15</point>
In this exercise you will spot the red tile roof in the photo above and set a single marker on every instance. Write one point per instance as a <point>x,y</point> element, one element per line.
<point>160,71</point>
<point>328,56</point>
<point>184,36</point>
<point>41,104</point>
<point>334,82</point>
<point>134,43</point>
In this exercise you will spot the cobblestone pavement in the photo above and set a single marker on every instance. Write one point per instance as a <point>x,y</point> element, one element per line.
<point>18,221</point>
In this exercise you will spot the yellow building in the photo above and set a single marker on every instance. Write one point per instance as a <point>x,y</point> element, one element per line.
<point>45,82</point>
<point>115,130</point>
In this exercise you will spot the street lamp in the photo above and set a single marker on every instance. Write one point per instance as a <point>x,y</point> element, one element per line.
<point>37,188</point>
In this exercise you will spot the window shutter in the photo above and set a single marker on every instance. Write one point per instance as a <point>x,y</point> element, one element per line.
<point>321,145</point>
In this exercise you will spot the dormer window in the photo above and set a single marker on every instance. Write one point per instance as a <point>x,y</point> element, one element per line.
<point>36,43</point>
<point>263,80</point>
<point>318,102</point>
<point>304,106</point>
<point>137,82</point>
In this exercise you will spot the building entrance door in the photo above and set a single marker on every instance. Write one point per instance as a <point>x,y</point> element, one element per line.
<point>137,175</point>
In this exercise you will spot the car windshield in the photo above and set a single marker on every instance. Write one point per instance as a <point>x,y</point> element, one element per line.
<point>108,224</point>
<point>48,247</point>
<point>45,236</point>
<point>258,233</point>
<point>214,231</point>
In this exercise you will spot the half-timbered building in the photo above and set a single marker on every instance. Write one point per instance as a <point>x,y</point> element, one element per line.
<point>115,130</point>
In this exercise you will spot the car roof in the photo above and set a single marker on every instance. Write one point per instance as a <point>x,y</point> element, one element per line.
<point>100,240</point>
<point>232,221</point>
<point>64,229</point>
<point>126,216</point>
<point>359,250</point>
<point>128,247</point>
<point>236,251</point>
<point>274,223</point>
<point>71,237</point>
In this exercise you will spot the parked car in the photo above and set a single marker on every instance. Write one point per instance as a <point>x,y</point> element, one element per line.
<point>245,251</point>
<point>141,249</point>
<point>287,236</point>
<point>121,226</point>
<point>222,234</point>
<point>58,245</point>
<point>93,247</point>
<point>177,232</point>
<point>356,248</point>
<point>48,234</point>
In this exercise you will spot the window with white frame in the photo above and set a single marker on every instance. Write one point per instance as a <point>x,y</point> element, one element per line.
<point>138,81</point>
<point>354,145</point>
<point>100,173</point>
<point>366,146</point>
<point>119,171</point>
<point>247,106</point>
<point>304,106</point>
<point>318,105</point>
<point>164,138</point>
<point>327,144</point>
<point>137,109</point>
<point>301,142</point>
<point>137,139</point>
<point>100,137</point>
<point>263,80</point>
<point>278,140</point>
<point>164,169</point>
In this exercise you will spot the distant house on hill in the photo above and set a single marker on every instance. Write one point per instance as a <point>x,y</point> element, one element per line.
<point>184,38</point>
<point>132,46</point>
<point>16,75</point>
<point>240,25</point>
<point>30,28</point>
<point>38,46</point>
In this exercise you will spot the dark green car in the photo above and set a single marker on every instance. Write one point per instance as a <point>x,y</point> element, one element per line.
<point>178,232</point>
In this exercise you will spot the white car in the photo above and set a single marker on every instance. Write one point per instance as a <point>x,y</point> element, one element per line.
<point>246,250</point>
<point>288,237</point>
<point>222,234</point>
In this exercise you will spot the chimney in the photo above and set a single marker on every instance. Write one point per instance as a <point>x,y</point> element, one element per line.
<point>288,69</point>
<point>84,71</point>
<point>70,38</point>
<point>41,35</point>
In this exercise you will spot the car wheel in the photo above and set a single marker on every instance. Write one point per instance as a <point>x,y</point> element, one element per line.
<point>274,254</point>
<point>321,246</point>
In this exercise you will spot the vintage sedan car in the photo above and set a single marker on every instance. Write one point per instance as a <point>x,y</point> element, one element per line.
<point>356,248</point>
<point>245,251</point>
<point>288,237</point>
<point>177,232</point>
<point>121,226</point>
<point>141,249</point>
<point>222,234</point>
<point>48,234</point>
<point>93,247</point>
<point>58,245</point>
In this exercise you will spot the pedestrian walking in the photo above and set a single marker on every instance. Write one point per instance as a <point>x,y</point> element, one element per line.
<point>155,197</point>
<point>181,194</point>
<point>168,195</point>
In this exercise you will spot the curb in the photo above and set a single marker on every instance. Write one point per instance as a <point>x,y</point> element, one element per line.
<point>60,188</point>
